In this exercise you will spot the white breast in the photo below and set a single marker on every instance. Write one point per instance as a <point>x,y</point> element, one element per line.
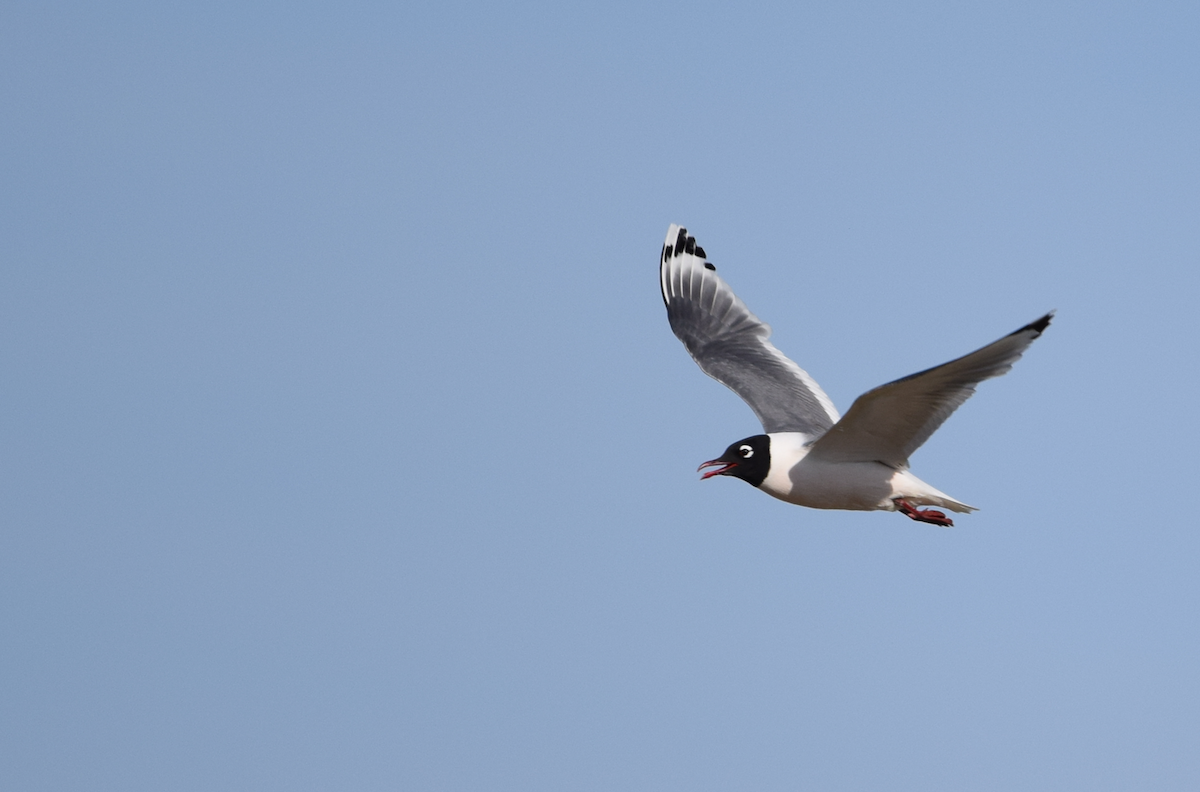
<point>860,486</point>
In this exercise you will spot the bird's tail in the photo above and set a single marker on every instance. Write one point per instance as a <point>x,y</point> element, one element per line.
<point>918,493</point>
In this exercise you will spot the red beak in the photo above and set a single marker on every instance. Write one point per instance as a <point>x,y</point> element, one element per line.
<point>719,472</point>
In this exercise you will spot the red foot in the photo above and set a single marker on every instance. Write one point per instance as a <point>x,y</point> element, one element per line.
<point>925,516</point>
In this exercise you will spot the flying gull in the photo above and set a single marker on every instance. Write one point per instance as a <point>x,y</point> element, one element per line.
<point>808,454</point>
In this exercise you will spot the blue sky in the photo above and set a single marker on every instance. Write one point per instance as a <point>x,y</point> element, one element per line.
<point>346,445</point>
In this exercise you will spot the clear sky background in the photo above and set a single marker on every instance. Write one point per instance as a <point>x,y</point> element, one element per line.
<point>346,446</point>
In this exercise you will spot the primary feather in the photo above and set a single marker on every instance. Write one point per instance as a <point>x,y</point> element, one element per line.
<point>731,344</point>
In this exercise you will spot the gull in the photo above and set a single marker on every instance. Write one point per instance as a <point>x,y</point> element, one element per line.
<point>808,454</point>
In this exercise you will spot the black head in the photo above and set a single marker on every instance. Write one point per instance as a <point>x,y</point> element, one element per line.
<point>748,459</point>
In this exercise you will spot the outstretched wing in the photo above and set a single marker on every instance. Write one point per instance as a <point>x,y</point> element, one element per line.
<point>730,344</point>
<point>889,423</point>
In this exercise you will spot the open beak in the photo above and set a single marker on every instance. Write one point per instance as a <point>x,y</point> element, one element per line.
<point>718,472</point>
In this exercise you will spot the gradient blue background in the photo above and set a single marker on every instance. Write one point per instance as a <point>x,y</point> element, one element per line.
<point>346,446</point>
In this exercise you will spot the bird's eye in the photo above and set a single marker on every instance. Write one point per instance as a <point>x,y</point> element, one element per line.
<point>746,451</point>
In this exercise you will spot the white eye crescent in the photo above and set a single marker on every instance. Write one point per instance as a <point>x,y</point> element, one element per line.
<point>746,451</point>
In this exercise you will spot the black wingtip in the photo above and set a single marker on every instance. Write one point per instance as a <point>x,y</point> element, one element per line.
<point>683,244</point>
<point>1036,326</point>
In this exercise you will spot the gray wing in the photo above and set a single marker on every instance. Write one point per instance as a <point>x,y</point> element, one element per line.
<point>730,344</point>
<point>889,423</point>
